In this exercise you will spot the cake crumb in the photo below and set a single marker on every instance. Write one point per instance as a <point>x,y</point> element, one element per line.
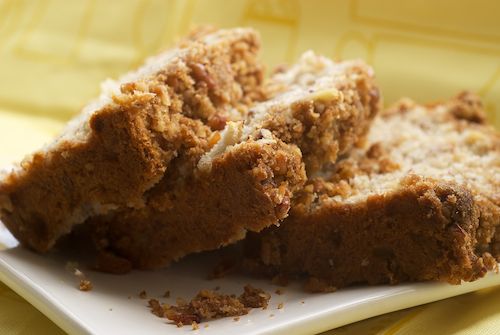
<point>279,292</point>
<point>254,297</point>
<point>166,294</point>
<point>208,305</point>
<point>143,294</point>
<point>85,285</point>
<point>194,325</point>
<point>156,308</point>
<point>271,315</point>
<point>179,324</point>
<point>206,325</point>
<point>281,305</point>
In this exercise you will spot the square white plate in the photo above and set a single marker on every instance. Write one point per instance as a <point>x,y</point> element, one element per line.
<point>46,283</point>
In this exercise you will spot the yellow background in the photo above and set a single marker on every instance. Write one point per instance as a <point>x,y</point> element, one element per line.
<point>54,54</point>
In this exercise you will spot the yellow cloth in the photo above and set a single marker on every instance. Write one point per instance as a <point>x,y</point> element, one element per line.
<point>54,53</point>
<point>470,314</point>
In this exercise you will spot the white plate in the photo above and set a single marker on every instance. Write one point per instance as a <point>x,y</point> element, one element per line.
<point>46,282</point>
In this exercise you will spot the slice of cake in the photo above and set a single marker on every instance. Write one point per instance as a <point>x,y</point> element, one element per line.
<point>245,181</point>
<point>419,201</point>
<point>121,145</point>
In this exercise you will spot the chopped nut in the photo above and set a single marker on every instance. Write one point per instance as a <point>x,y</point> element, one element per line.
<point>194,325</point>
<point>199,72</point>
<point>166,294</point>
<point>214,139</point>
<point>325,95</point>
<point>143,294</point>
<point>280,305</point>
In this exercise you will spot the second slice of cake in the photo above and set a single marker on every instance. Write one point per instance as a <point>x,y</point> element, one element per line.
<point>419,201</point>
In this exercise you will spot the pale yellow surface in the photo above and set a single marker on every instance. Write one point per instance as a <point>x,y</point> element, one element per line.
<point>54,53</point>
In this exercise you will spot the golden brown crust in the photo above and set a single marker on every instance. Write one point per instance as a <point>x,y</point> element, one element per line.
<point>131,141</point>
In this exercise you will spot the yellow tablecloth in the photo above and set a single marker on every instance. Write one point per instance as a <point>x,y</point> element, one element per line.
<point>54,53</point>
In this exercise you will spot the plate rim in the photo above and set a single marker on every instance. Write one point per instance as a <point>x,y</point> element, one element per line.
<point>43,301</point>
<point>406,297</point>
